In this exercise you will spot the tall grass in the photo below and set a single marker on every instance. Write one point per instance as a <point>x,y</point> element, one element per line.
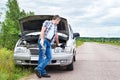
<point>8,70</point>
<point>6,64</point>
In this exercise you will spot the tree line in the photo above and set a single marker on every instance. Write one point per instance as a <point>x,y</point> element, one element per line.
<point>10,26</point>
<point>115,41</point>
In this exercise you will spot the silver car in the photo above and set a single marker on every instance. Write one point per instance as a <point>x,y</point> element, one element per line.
<point>26,51</point>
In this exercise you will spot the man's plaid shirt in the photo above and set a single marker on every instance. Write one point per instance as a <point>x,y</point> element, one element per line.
<point>51,30</point>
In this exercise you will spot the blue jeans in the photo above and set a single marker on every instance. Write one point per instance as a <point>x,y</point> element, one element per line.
<point>44,56</point>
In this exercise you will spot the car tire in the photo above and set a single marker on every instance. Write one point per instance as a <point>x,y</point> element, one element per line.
<point>74,58</point>
<point>70,67</point>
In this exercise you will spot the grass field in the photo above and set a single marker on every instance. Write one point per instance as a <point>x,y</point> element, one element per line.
<point>115,43</point>
<point>112,41</point>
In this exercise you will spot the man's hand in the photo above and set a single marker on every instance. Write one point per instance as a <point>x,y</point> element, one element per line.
<point>42,42</point>
<point>42,36</point>
<point>57,39</point>
<point>62,45</point>
<point>59,44</point>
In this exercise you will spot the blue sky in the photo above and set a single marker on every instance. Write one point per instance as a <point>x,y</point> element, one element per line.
<point>91,18</point>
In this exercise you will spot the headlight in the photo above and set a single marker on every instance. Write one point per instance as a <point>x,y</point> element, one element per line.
<point>68,49</point>
<point>21,50</point>
<point>58,50</point>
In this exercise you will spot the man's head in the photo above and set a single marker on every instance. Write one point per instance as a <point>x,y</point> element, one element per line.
<point>56,19</point>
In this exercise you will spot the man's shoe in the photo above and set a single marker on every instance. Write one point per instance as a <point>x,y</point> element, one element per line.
<point>46,75</point>
<point>37,73</point>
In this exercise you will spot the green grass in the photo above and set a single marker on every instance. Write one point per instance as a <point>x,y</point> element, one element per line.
<point>6,64</point>
<point>8,70</point>
<point>79,43</point>
<point>21,71</point>
<point>111,43</point>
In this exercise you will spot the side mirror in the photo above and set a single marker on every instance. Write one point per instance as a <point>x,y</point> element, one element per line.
<point>76,35</point>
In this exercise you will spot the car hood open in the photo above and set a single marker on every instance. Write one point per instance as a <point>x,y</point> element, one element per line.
<point>34,24</point>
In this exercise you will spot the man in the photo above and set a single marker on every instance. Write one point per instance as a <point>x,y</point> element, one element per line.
<point>47,37</point>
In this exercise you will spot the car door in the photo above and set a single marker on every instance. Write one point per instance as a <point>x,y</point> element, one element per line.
<point>72,38</point>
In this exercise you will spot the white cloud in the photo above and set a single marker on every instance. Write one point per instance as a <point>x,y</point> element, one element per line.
<point>100,31</point>
<point>111,13</point>
<point>90,17</point>
<point>2,9</point>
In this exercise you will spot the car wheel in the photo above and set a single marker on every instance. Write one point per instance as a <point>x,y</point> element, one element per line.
<point>74,58</point>
<point>70,67</point>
